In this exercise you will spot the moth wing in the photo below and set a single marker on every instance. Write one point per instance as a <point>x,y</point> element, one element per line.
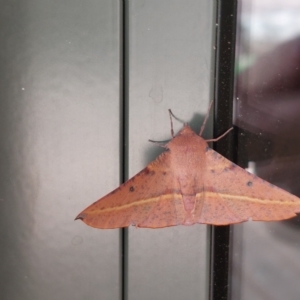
<point>233,195</point>
<point>149,199</point>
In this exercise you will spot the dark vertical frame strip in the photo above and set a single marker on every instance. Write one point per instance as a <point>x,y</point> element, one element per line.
<point>124,79</point>
<point>224,92</point>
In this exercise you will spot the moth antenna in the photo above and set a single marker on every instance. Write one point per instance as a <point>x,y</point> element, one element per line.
<point>171,122</point>
<point>221,136</point>
<point>158,144</point>
<point>206,118</point>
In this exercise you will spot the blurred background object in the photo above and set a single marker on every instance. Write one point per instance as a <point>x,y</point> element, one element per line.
<point>267,114</point>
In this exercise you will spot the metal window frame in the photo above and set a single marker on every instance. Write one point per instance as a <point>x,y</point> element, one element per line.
<point>226,11</point>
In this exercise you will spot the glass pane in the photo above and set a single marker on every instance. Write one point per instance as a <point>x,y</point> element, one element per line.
<point>265,255</point>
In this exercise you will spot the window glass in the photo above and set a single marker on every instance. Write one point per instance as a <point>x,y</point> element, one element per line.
<point>267,113</point>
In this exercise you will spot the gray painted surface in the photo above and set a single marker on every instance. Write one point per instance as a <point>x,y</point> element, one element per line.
<point>170,48</point>
<point>59,95</point>
<point>60,150</point>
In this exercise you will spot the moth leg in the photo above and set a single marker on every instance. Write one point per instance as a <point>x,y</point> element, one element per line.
<point>206,118</point>
<point>171,122</point>
<point>221,136</point>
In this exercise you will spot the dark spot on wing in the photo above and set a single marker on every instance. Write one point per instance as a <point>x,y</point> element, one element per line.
<point>249,183</point>
<point>149,172</point>
<point>207,149</point>
<point>112,192</point>
<point>212,170</point>
<point>164,173</point>
<point>209,189</point>
<point>131,189</point>
<point>232,166</point>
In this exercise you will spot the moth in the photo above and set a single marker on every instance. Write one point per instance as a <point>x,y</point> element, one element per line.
<point>190,183</point>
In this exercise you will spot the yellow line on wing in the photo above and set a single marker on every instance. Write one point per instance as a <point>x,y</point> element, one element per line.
<point>206,195</point>
<point>137,203</point>
<point>247,198</point>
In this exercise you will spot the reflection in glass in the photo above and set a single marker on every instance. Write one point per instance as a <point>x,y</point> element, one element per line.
<point>265,256</point>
